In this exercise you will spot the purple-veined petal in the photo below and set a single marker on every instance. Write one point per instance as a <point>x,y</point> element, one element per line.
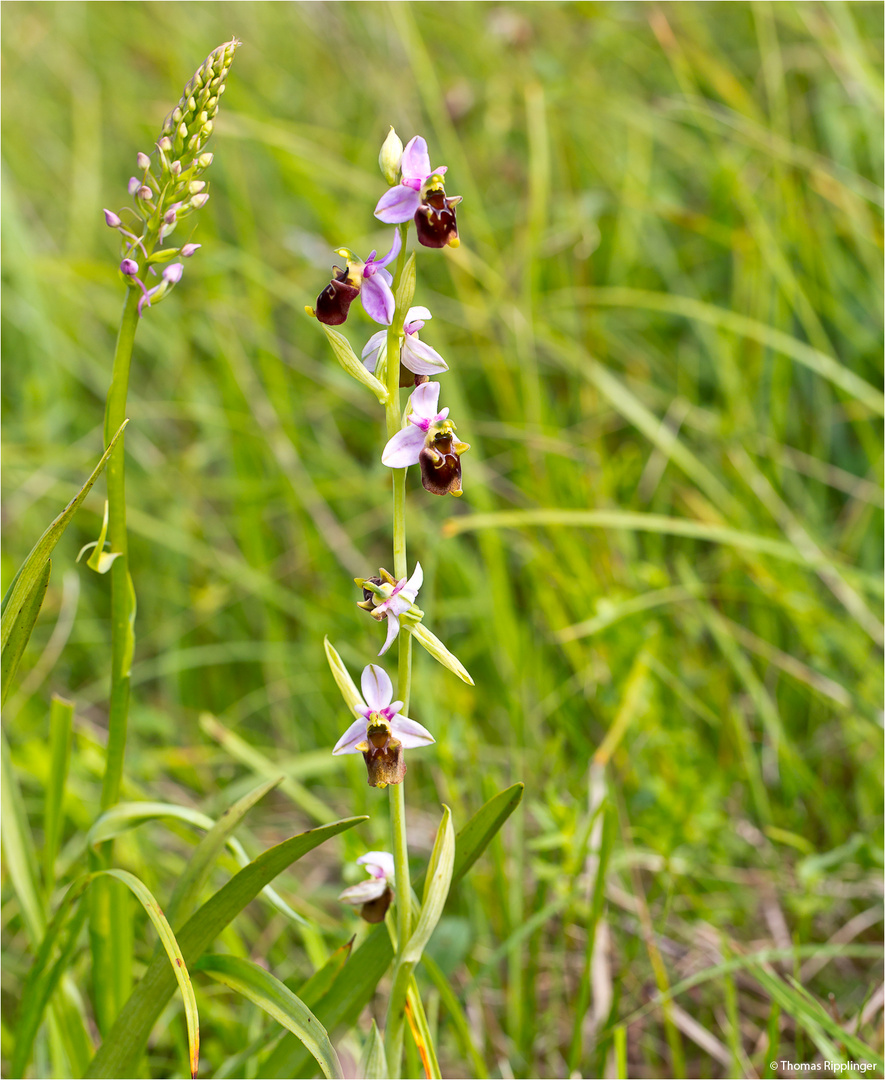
<point>410,733</point>
<point>395,249</point>
<point>378,863</point>
<point>392,631</point>
<point>425,400</point>
<point>418,356</point>
<point>377,687</point>
<point>372,349</point>
<point>404,448</point>
<point>397,204</point>
<point>354,734</point>
<point>415,163</point>
<point>378,299</point>
<point>367,890</point>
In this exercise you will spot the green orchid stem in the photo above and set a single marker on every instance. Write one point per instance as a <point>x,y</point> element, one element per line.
<point>110,930</point>
<point>121,596</point>
<point>393,416</point>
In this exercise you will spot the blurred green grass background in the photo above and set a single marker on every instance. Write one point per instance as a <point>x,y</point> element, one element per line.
<point>666,305</point>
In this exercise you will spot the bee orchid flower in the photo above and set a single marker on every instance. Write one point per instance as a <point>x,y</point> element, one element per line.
<point>369,280</point>
<point>385,597</point>
<point>380,733</point>
<point>428,440</point>
<point>421,195</point>
<point>373,897</point>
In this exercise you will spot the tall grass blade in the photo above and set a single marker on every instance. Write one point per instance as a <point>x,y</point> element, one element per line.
<point>123,1044</point>
<point>61,720</point>
<point>278,1001</point>
<point>20,631</point>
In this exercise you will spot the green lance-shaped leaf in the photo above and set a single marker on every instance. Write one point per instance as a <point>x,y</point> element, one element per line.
<point>352,990</point>
<point>20,633</point>
<point>352,364</point>
<point>126,1040</point>
<point>34,566</point>
<point>352,697</point>
<point>439,652</point>
<point>373,1062</point>
<point>125,816</point>
<point>436,888</point>
<point>278,1001</point>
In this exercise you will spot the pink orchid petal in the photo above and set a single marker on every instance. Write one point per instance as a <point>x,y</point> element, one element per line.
<point>395,249</point>
<point>397,204</point>
<point>378,299</point>
<point>365,891</point>
<point>354,734</point>
<point>378,863</point>
<point>403,449</point>
<point>425,400</point>
<point>418,356</point>
<point>415,163</point>
<point>377,687</point>
<point>418,312</point>
<point>392,631</point>
<point>410,733</point>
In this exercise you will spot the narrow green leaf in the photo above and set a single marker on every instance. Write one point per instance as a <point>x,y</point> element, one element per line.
<point>61,720</point>
<point>42,980</point>
<point>318,984</point>
<point>125,816</point>
<point>20,633</point>
<point>126,1040</point>
<point>173,951</point>
<point>33,567</point>
<point>353,988</point>
<point>436,889</point>
<point>278,1001</point>
<point>19,850</point>
<point>373,1062</point>
<point>352,364</point>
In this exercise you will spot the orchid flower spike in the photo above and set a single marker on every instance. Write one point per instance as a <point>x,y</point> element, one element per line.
<point>421,195</point>
<point>380,733</point>
<point>368,280</point>
<point>417,360</point>
<point>428,440</point>
<point>385,597</point>
<point>373,897</point>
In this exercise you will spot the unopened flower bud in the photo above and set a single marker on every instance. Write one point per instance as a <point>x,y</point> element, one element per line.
<point>144,162</point>
<point>112,220</point>
<point>169,216</point>
<point>144,192</point>
<point>175,168</point>
<point>129,267</point>
<point>173,273</point>
<point>390,157</point>
<point>189,249</point>
<point>165,144</point>
<point>205,160</point>
<point>200,200</point>
<point>196,186</point>
<point>133,185</point>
